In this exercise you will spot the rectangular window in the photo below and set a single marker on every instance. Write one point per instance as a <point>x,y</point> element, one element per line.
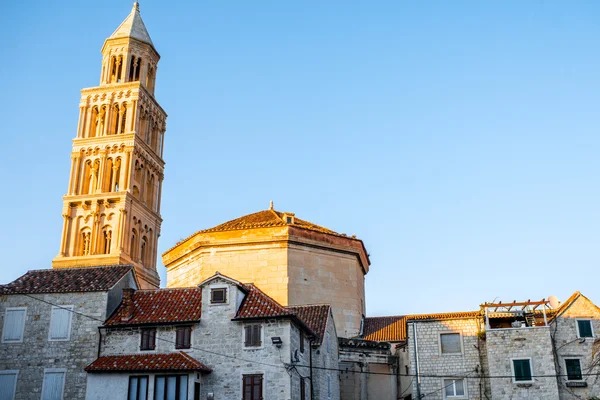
<point>148,339</point>
<point>302,389</point>
<point>252,335</point>
<point>54,382</point>
<point>170,387</point>
<point>454,388</point>
<point>328,343</point>
<point>138,388</point>
<point>522,370</point>
<point>584,328</point>
<point>573,369</point>
<point>450,343</point>
<point>218,296</point>
<point>8,384</point>
<point>252,387</point>
<point>301,341</point>
<point>60,323</point>
<point>328,387</point>
<point>14,322</point>
<point>183,337</point>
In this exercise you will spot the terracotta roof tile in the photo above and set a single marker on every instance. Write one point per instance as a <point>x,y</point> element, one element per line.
<point>147,362</point>
<point>257,304</point>
<point>315,317</point>
<point>393,328</point>
<point>63,280</point>
<point>160,306</point>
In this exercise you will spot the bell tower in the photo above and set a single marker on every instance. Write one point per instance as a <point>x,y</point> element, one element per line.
<point>111,209</point>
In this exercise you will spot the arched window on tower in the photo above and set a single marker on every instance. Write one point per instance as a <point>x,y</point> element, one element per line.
<point>114,123</point>
<point>116,175</point>
<point>108,176</point>
<point>149,191</point>
<point>94,122</point>
<point>133,245</point>
<point>87,176</point>
<point>144,250</point>
<point>84,245</point>
<point>113,69</point>
<point>106,240</point>
<point>123,118</point>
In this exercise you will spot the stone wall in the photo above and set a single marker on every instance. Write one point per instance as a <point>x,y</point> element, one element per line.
<point>433,366</point>
<point>564,331</point>
<point>503,345</point>
<point>37,353</point>
<point>326,363</point>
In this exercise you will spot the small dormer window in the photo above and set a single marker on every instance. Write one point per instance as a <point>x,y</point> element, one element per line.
<point>218,296</point>
<point>288,218</point>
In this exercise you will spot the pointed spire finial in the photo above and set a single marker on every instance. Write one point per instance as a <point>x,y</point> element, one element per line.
<point>271,205</point>
<point>136,6</point>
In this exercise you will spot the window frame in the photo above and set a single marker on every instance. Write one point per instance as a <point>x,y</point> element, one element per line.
<point>302,389</point>
<point>329,386</point>
<point>244,338</point>
<point>177,384</point>
<point>55,371</point>
<point>455,396</point>
<point>591,328</point>
<point>262,385</point>
<point>225,295</point>
<point>6,310</point>
<point>15,373</point>
<point>460,342</point>
<point>567,369</point>
<point>67,308</point>
<point>301,340</point>
<point>142,330</point>
<point>138,386</point>
<point>512,369</point>
<point>185,345</point>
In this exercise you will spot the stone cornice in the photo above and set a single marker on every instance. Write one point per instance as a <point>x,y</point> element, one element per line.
<point>125,138</point>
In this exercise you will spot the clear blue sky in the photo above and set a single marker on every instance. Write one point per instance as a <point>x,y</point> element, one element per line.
<point>459,140</point>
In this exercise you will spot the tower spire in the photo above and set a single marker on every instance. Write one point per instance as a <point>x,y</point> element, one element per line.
<point>112,207</point>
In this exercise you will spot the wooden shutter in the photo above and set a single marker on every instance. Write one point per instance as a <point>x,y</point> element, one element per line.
<point>13,325</point>
<point>60,323</point>
<point>7,385</point>
<point>53,385</point>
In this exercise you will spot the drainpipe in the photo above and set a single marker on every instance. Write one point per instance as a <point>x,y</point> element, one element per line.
<point>415,343</point>
<point>99,340</point>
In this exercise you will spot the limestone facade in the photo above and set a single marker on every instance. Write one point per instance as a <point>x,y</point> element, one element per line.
<point>37,353</point>
<point>293,263</point>
<point>111,210</point>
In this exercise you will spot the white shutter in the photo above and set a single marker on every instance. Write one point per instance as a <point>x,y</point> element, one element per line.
<point>60,323</point>
<point>8,379</point>
<point>53,385</point>
<point>14,320</point>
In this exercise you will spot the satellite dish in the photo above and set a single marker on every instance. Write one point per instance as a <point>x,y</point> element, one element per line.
<point>554,302</point>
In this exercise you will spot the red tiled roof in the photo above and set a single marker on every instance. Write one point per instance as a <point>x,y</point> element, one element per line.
<point>147,362</point>
<point>393,328</point>
<point>64,280</point>
<point>257,304</point>
<point>315,317</point>
<point>160,306</point>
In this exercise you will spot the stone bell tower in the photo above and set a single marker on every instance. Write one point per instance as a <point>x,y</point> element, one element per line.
<point>111,210</point>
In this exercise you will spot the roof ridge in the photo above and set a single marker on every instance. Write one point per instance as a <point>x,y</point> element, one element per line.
<point>80,267</point>
<point>167,289</point>
<point>312,305</point>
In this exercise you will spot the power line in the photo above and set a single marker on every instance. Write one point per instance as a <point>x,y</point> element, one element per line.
<point>315,366</point>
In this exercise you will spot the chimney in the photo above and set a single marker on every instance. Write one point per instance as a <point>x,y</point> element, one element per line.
<point>127,304</point>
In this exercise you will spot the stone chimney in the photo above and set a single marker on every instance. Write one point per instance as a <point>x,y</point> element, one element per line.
<point>127,304</point>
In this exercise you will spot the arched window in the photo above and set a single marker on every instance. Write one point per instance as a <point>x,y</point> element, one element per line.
<point>144,250</point>
<point>114,124</point>
<point>116,175</point>
<point>84,242</point>
<point>123,116</point>
<point>133,245</point>
<point>87,176</point>
<point>94,123</point>
<point>108,176</point>
<point>149,190</point>
<point>106,240</point>
<point>136,192</point>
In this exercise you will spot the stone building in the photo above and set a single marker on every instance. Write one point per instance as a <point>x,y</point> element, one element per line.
<point>292,260</point>
<point>49,328</point>
<point>111,209</point>
<point>220,340</point>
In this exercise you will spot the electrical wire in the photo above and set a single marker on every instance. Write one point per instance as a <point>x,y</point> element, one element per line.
<point>308,366</point>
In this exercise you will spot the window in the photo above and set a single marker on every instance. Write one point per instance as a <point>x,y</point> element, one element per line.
<point>252,387</point>
<point>302,389</point>
<point>584,328</point>
<point>170,387</point>
<point>522,370</point>
<point>450,343</point>
<point>301,341</point>
<point>218,296</point>
<point>8,384</point>
<point>54,382</point>
<point>60,323</point>
<point>183,337</point>
<point>454,388</point>
<point>148,339</point>
<point>14,322</point>
<point>328,387</point>
<point>573,369</point>
<point>138,388</point>
<point>328,343</point>
<point>252,335</point>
